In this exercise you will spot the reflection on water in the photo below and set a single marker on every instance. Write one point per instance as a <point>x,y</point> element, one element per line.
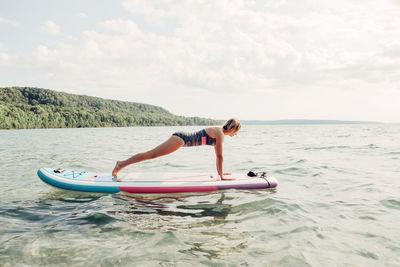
<point>166,206</point>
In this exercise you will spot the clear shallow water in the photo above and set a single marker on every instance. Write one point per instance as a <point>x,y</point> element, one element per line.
<point>337,202</point>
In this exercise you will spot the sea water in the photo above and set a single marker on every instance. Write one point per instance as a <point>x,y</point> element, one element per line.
<point>337,202</point>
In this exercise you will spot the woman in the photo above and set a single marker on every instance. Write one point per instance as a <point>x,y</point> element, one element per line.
<point>209,136</point>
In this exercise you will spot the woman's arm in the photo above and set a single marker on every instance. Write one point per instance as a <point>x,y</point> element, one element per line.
<point>216,132</point>
<point>219,151</point>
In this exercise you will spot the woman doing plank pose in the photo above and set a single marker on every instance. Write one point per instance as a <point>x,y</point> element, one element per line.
<point>213,136</point>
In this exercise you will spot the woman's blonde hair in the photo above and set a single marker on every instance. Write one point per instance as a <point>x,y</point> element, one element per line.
<point>232,125</point>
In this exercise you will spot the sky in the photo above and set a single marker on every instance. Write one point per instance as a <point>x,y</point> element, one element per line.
<point>249,59</point>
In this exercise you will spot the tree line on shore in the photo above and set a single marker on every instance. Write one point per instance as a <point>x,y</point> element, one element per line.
<point>28,108</point>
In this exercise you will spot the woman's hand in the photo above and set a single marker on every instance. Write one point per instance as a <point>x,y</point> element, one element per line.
<point>227,178</point>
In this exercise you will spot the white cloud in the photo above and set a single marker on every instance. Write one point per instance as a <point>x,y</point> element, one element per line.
<point>9,21</point>
<point>4,58</point>
<point>51,27</point>
<point>125,27</point>
<point>82,15</point>
<point>263,60</point>
<point>153,14</point>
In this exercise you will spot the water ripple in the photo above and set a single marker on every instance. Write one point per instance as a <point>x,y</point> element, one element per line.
<point>391,203</point>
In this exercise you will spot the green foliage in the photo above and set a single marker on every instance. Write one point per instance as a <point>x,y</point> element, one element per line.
<point>27,108</point>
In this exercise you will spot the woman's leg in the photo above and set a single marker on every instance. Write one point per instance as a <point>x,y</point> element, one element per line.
<point>169,146</point>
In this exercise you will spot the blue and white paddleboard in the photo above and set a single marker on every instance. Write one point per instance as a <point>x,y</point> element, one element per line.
<point>154,183</point>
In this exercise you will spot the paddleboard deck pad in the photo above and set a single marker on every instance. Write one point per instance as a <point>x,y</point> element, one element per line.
<point>152,183</point>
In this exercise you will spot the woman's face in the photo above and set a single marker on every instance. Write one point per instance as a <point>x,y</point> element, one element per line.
<point>233,133</point>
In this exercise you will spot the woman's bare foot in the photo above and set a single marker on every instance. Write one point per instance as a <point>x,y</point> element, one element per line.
<point>117,168</point>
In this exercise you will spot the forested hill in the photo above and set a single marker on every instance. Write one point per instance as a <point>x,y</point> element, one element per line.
<point>27,108</point>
